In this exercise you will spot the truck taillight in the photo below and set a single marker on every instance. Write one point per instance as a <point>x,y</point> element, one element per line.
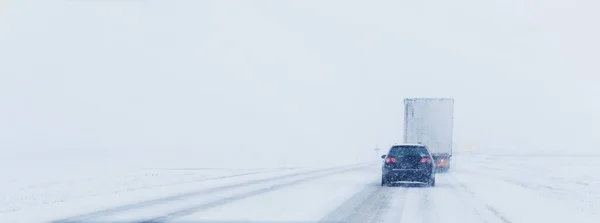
<point>426,160</point>
<point>391,160</point>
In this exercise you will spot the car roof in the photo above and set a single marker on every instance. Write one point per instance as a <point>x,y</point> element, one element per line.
<point>429,99</point>
<point>408,144</point>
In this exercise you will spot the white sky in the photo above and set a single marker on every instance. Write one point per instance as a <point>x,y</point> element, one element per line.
<point>259,79</point>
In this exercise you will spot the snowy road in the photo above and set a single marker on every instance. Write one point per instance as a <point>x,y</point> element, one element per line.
<point>478,189</point>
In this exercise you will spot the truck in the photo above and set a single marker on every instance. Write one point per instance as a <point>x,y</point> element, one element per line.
<point>430,122</point>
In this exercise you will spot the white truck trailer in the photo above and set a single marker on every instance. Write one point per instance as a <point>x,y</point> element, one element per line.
<point>430,122</point>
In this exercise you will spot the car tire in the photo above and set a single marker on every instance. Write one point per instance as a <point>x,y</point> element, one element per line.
<point>384,181</point>
<point>432,182</point>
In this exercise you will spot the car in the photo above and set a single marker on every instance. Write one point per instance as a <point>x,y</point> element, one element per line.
<point>408,163</point>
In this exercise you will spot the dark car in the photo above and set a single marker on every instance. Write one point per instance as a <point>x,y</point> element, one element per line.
<point>408,163</point>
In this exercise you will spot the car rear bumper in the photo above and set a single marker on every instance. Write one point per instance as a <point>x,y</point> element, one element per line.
<point>420,175</point>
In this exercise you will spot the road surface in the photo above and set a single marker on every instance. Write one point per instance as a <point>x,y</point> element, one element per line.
<point>503,190</point>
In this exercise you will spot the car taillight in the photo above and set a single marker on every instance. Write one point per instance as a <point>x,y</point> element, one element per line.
<point>391,160</point>
<point>425,160</point>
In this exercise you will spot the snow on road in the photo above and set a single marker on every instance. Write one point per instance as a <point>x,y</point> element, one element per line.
<point>190,205</point>
<point>477,189</point>
<point>67,198</point>
<point>305,202</point>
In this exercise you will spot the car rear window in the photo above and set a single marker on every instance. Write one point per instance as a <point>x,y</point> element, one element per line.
<point>408,151</point>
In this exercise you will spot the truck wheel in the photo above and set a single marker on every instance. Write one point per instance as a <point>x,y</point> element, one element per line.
<point>442,169</point>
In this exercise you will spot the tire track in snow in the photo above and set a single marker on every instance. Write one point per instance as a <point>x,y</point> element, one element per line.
<point>368,205</point>
<point>427,207</point>
<point>205,206</point>
<point>583,197</point>
<point>533,170</point>
<point>528,185</point>
<point>126,190</point>
<point>466,191</point>
<point>164,200</point>
<point>538,186</point>
<point>196,181</point>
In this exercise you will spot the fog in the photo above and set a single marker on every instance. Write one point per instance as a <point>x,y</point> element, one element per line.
<point>271,83</point>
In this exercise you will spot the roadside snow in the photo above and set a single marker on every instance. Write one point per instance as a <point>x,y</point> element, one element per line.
<point>43,187</point>
<point>543,188</point>
<point>522,204</point>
